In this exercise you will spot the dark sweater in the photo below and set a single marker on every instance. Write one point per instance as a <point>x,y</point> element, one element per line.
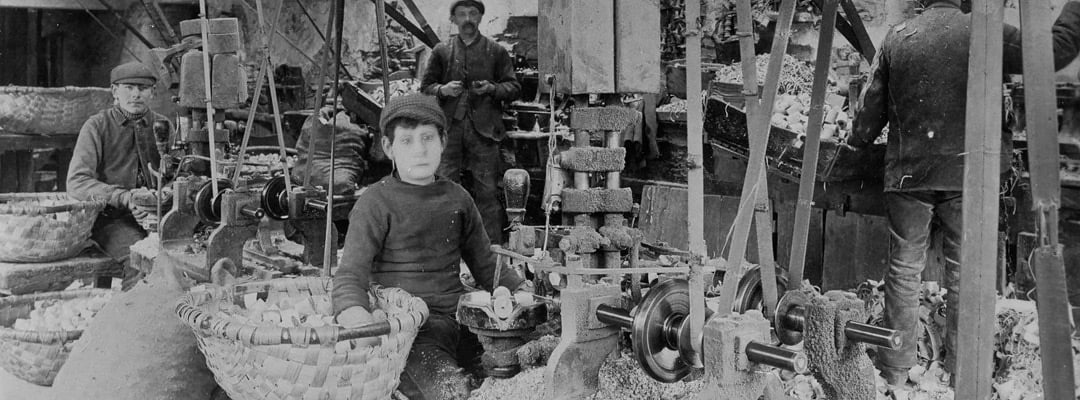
<point>413,237</point>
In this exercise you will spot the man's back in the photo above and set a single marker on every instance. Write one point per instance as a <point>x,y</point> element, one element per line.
<point>918,86</point>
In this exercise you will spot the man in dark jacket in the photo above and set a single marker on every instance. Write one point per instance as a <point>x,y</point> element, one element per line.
<point>918,86</point>
<point>113,155</point>
<point>472,75</point>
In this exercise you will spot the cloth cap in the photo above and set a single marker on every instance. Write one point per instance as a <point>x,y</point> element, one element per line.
<point>421,107</point>
<point>133,72</point>
<point>474,3</point>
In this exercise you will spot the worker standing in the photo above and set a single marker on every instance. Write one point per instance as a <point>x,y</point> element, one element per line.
<point>472,75</point>
<point>918,86</point>
<point>113,155</point>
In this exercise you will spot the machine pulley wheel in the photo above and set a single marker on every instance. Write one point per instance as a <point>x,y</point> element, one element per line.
<point>750,295</point>
<point>208,206</point>
<point>655,332</point>
<point>275,200</point>
<point>785,331</point>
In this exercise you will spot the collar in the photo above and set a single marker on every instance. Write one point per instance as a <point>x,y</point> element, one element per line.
<point>479,38</point>
<point>122,117</point>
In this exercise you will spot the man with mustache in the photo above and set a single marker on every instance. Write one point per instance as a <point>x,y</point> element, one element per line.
<point>471,75</point>
<point>112,156</point>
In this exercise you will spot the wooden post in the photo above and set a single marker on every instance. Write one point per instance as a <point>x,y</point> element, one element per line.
<point>808,178</point>
<point>758,110</point>
<point>1039,93</point>
<point>695,178</point>
<point>975,333</point>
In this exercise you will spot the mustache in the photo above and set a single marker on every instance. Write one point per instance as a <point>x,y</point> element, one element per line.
<point>468,24</point>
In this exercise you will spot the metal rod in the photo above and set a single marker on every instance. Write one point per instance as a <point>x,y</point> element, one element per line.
<point>115,37</point>
<point>253,212</point>
<point>264,67</point>
<point>795,319</point>
<point>204,19</point>
<point>380,19</point>
<point>131,28</point>
<point>614,316</point>
<point>873,335</point>
<point>320,99</point>
<point>329,247</point>
<point>312,20</point>
<point>778,357</point>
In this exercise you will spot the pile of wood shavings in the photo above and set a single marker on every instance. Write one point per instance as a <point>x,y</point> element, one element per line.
<point>620,378</point>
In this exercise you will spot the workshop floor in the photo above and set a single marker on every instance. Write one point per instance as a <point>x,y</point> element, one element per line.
<point>12,388</point>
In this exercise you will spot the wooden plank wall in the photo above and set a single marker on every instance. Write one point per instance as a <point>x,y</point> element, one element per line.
<point>856,249</point>
<point>663,218</point>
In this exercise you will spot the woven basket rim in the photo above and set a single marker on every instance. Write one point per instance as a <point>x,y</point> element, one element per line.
<point>189,309</point>
<point>40,89</point>
<point>24,203</point>
<point>60,336</point>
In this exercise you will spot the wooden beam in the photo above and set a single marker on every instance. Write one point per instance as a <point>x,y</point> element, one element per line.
<point>808,179</point>
<point>695,120</point>
<point>759,108</point>
<point>976,315</point>
<point>1054,329</point>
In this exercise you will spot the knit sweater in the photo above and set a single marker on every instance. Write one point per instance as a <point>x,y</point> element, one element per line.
<point>413,237</point>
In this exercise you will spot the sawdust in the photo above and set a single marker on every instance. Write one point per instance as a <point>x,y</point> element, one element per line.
<point>536,352</point>
<point>620,379</point>
<point>136,348</point>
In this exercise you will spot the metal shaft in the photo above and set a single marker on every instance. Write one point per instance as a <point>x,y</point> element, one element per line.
<point>614,316</point>
<point>874,335</point>
<point>795,319</point>
<point>777,357</point>
<point>252,212</point>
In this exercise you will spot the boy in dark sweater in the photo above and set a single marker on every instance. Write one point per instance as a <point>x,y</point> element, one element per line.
<point>410,230</point>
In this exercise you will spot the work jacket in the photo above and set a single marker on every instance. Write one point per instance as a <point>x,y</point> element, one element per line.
<point>113,155</point>
<point>918,85</point>
<point>481,60</point>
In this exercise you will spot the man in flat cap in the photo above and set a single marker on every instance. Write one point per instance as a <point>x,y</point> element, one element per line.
<point>472,76</point>
<point>113,155</point>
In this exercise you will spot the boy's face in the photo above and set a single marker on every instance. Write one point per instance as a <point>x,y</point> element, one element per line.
<point>131,97</point>
<point>416,152</point>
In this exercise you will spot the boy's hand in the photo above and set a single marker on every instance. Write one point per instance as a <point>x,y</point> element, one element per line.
<point>354,316</point>
<point>483,87</point>
<point>451,89</point>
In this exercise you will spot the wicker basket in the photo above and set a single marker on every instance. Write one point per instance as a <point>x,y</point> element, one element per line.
<point>43,227</point>
<point>41,110</point>
<point>36,356</point>
<point>269,362</point>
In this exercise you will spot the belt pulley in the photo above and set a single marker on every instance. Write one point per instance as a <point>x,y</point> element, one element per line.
<point>661,335</point>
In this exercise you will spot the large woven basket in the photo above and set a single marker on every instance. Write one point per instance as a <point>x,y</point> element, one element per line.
<point>268,362</point>
<point>36,356</point>
<point>41,110</point>
<point>43,227</point>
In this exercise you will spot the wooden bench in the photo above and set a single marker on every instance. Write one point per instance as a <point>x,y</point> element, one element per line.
<point>17,166</point>
<point>24,278</point>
